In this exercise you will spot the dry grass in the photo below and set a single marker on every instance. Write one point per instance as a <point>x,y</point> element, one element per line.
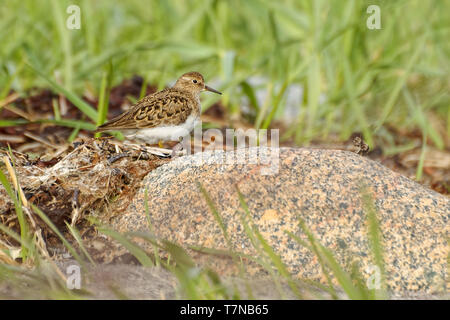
<point>95,176</point>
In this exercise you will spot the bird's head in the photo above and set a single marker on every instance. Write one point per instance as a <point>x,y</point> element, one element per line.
<point>193,82</point>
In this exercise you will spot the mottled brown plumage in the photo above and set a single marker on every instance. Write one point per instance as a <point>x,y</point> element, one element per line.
<point>167,111</point>
<point>169,106</point>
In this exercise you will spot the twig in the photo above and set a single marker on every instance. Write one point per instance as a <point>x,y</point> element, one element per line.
<point>39,139</point>
<point>28,146</point>
<point>11,138</point>
<point>11,98</point>
<point>19,112</point>
<point>116,157</point>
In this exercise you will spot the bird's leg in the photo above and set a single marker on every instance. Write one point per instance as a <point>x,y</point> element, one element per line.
<point>178,148</point>
<point>160,144</point>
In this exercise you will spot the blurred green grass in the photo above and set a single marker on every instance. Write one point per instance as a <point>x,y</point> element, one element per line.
<point>354,79</point>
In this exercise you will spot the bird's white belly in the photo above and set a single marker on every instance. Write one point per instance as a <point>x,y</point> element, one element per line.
<point>166,133</point>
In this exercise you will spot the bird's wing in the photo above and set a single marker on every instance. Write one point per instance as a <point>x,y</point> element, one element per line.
<point>170,107</point>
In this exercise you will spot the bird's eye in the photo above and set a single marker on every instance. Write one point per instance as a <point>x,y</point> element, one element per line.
<point>194,81</point>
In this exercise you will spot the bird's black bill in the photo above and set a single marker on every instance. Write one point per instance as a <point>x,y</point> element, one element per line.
<point>212,90</point>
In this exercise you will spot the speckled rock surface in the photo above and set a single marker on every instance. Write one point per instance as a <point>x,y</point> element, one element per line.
<point>320,186</point>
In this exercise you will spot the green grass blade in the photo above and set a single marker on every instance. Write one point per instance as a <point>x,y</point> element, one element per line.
<point>78,102</point>
<point>313,247</point>
<point>133,248</point>
<point>76,124</point>
<point>12,123</point>
<point>375,238</point>
<point>26,243</point>
<point>342,277</point>
<point>267,249</point>
<point>24,228</point>
<point>150,226</point>
<point>103,101</point>
<point>78,239</point>
<point>275,106</point>
<point>327,258</point>
<point>399,84</point>
<point>250,93</point>
<point>65,39</point>
<point>52,226</point>
<point>216,214</point>
<point>56,112</point>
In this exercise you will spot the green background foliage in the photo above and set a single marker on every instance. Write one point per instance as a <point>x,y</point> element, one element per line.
<point>353,78</point>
